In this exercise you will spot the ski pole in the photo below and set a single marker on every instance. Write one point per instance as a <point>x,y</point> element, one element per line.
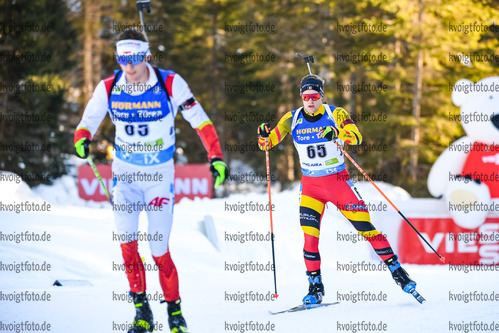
<point>97,174</point>
<point>391,203</point>
<point>267,159</point>
<point>141,4</point>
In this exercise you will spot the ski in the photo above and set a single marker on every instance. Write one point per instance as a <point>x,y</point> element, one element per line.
<point>302,307</point>
<point>416,295</point>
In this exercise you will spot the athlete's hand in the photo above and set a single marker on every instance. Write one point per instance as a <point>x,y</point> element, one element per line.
<point>219,170</point>
<point>82,147</point>
<point>263,133</point>
<point>329,133</point>
<point>264,130</point>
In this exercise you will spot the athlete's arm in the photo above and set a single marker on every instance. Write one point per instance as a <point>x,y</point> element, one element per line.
<point>347,131</point>
<point>279,132</point>
<point>94,113</point>
<point>193,112</point>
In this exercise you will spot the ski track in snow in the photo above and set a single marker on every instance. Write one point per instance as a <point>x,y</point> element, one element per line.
<point>82,248</point>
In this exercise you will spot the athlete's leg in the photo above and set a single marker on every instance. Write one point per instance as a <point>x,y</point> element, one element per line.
<point>347,199</point>
<point>311,211</point>
<point>349,202</point>
<point>159,198</point>
<point>128,200</point>
<point>126,218</point>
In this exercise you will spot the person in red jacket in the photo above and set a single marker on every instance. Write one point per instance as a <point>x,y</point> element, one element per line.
<point>143,102</point>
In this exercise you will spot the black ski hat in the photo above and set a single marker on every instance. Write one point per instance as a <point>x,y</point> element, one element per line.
<point>312,83</point>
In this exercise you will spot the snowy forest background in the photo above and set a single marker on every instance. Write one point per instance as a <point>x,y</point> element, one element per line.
<point>419,56</point>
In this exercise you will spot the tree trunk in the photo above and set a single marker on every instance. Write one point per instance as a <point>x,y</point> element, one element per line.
<point>3,111</point>
<point>214,65</point>
<point>354,113</point>
<point>88,86</point>
<point>286,169</point>
<point>397,84</point>
<point>416,105</point>
<point>97,57</point>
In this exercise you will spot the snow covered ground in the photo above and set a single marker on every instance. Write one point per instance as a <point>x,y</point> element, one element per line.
<point>83,256</point>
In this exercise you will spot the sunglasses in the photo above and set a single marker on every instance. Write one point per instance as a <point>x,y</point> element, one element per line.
<point>314,97</point>
<point>133,59</point>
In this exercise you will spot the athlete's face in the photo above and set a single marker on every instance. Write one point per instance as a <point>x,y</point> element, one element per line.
<point>311,106</point>
<point>136,74</point>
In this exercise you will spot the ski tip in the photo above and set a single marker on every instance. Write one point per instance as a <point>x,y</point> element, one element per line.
<point>442,259</point>
<point>416,295</point>
<point>420,299</point>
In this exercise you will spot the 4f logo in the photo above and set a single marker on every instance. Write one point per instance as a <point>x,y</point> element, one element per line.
<point>491,159</point>
<point>158,202</point>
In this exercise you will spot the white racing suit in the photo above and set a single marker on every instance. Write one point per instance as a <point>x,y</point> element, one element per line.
<point>143,167</point>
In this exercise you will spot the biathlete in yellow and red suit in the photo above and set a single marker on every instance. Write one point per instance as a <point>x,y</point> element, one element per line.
<point>325,179</point>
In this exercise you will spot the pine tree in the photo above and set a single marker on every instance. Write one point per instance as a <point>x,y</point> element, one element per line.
<point>35,45</point>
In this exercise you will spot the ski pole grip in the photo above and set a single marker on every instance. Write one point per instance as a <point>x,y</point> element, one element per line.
<point>144,4</point>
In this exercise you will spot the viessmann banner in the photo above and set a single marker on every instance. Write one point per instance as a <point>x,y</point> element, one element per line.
<point>478,246</point>
<point>191,180</point>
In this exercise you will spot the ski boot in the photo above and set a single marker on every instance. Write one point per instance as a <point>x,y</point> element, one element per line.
<point>175,319</point>
<point>400,275</point>
<point>143,321</point>
<point>315,289</point>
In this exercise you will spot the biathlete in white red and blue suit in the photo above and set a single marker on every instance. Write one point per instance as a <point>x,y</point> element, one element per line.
<point>142,102</point>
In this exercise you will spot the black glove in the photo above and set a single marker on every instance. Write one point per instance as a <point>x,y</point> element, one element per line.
<point>328,133</point>
<point>264,130</point>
